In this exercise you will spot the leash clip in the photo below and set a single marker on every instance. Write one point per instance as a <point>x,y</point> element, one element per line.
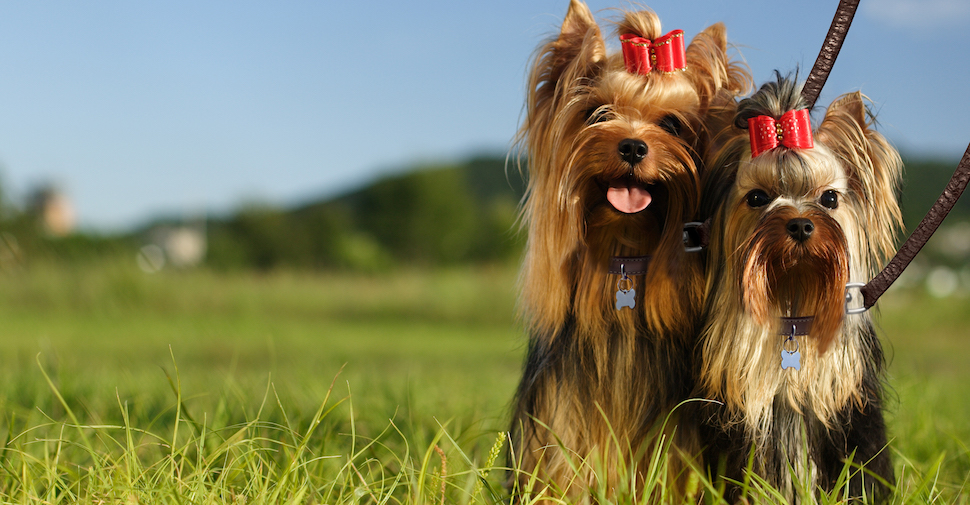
<point>849,298</point>
<point>693,242</point>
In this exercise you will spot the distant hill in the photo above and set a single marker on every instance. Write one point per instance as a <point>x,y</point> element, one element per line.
<point>431,215</point>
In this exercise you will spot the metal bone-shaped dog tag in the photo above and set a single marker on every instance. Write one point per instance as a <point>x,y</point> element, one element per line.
<point>626,298</point>
<point>791,359</point>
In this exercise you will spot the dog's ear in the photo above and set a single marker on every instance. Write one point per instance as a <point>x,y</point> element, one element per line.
<point>872,164</point>
<point>579,39</point>
<point>577,53</point>
<point>849,108</point>
<point>710,69</point>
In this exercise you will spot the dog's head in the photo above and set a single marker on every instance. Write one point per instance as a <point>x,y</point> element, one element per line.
<point>800,220</point>
<point>611,161</point>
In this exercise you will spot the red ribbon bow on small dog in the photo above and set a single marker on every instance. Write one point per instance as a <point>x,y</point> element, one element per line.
<point>643,55</point>
<point>793,130</point>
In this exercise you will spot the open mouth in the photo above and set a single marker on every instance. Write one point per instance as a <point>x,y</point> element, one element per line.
<point>629,195</point>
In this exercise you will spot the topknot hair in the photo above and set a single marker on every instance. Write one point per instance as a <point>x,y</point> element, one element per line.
<point>643,23</point>
<point>773,99</point>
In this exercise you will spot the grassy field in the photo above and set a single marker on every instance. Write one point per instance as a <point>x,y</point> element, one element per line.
<point>200,387</point>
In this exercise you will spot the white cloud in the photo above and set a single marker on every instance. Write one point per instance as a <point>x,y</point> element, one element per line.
<point>918,13</point>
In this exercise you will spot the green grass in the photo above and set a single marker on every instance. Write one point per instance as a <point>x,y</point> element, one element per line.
<point>200,387</point>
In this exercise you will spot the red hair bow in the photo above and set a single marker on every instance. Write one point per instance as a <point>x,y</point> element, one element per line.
<point>643,55</point>
<point>793,130</point>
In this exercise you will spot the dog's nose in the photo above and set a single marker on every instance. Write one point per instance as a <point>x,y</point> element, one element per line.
<point>633,151</point>
<point>800,228</point>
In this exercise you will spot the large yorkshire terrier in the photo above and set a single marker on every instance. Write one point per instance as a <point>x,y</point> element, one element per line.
<point>609,294</point>
<point>797,218</point>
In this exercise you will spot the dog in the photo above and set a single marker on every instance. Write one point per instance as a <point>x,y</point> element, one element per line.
<point>609,295</point>
<point>796,216</point>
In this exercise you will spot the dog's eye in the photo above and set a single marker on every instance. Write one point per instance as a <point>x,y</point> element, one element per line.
<point>829,199</point>
<point>671,124</point>
<point>598,115</point>
<point>757,198</point>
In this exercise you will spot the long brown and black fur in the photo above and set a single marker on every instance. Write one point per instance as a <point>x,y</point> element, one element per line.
<point>597,381</point>
<point>799,427</point>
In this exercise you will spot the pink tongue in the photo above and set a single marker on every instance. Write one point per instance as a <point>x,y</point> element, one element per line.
<point>628,199</point>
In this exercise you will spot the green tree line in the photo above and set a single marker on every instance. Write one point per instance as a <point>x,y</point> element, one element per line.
<point>426,215</point>
<point>432,215</point>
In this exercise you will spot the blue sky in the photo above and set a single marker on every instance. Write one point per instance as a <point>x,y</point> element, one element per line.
<point>137,109</point>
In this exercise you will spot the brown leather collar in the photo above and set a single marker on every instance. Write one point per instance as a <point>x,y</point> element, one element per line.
<point>629,265</point>
<point>796,326</point>
<point>696,238</point>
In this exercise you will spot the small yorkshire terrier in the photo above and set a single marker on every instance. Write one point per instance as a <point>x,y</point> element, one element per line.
<point>797,216</point>
<point>609,294</point>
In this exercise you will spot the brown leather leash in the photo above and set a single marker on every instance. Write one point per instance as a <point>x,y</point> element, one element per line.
<point>830,50</point>
<point>872,290</point>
